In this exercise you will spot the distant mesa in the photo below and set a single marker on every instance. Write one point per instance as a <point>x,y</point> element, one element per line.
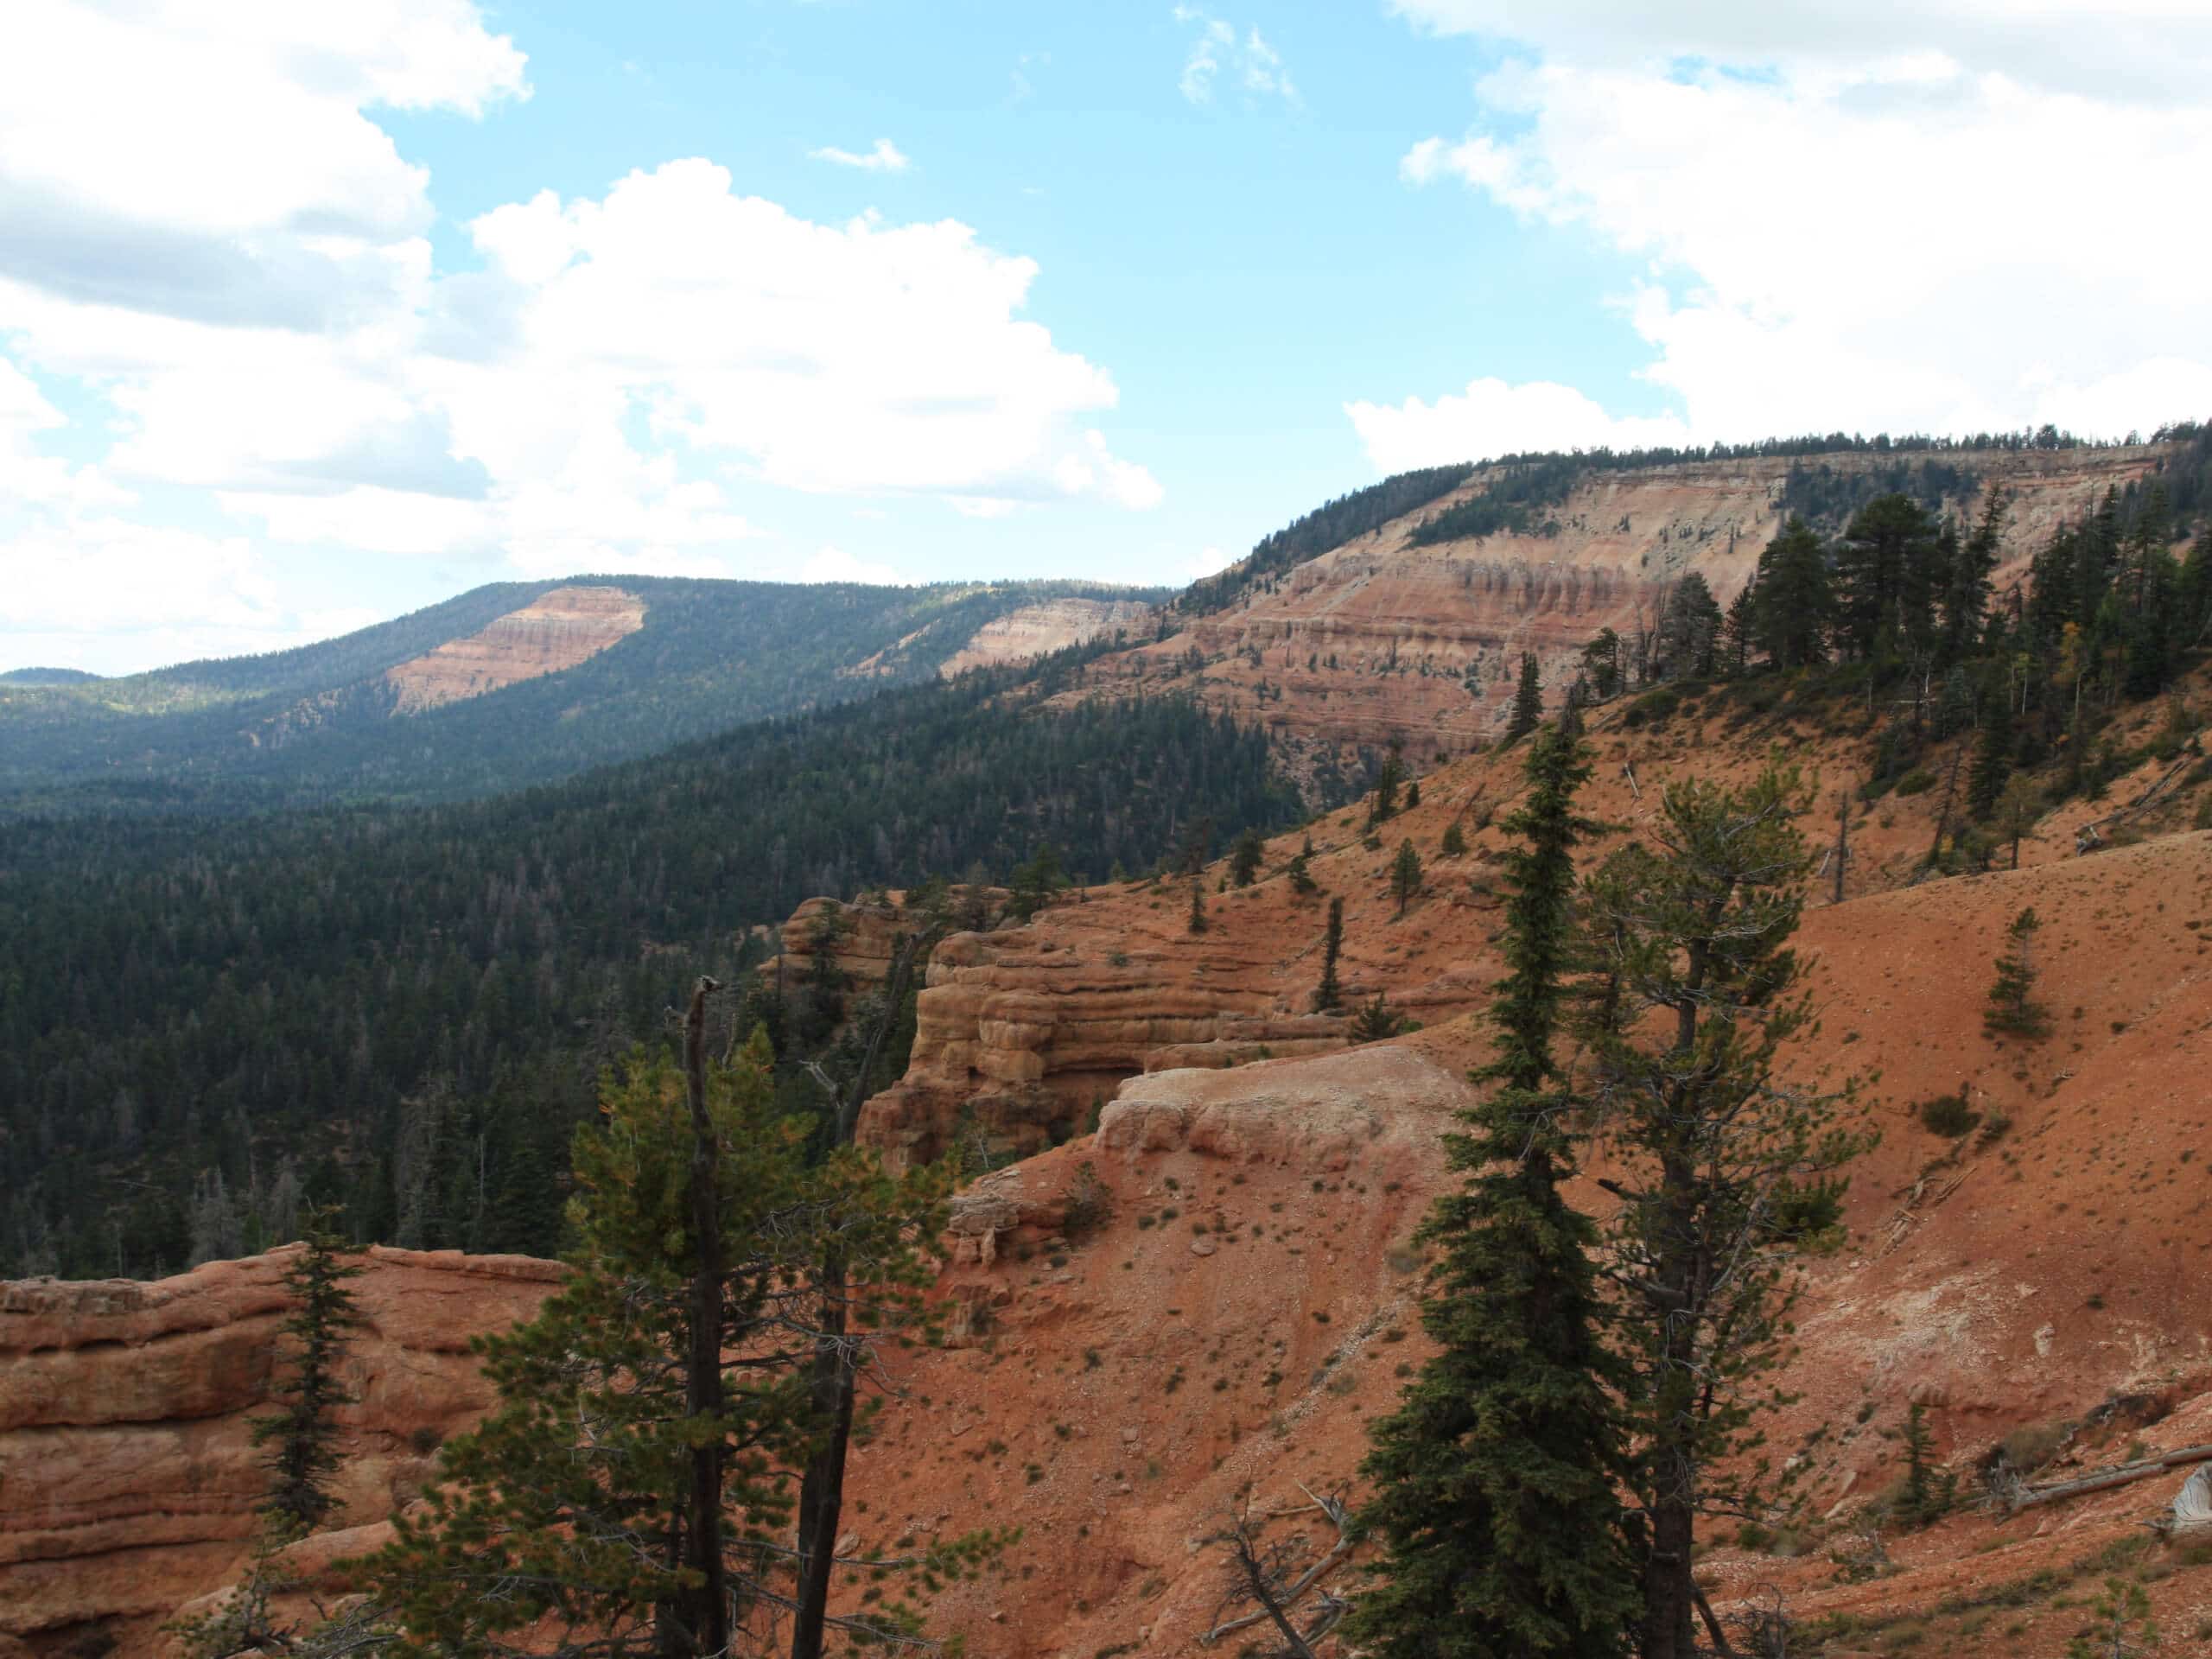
<point>554,631</point>
<point>46,676</point>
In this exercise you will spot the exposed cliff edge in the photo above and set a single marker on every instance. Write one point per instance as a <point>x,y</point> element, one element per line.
<point>1384,638</point>
<point>131,1482</point>
<point>554,631</point>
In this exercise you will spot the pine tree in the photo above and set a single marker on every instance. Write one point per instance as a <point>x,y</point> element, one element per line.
<point>1689,630</point>
<point>1387,779</point>
<point>1716,1159</point>
<point>1929,1493</point>
<point>1795,603</point>
<point>1886,568</point>
<point>2018,808</point>
<point>1496,1477</point>
<point>1328,996</point>
<point>569,1513</point>
<point>1454,844</point>
<point>1197,924</point>
<point>2013,1011</point>
<point>2120,1625</point>
<point>1301,879</point>
<point>1244,859</point>
<point>1528,701</point>
<point>301,1439</point>
<point>1405,875</point>
<point>1374,1022</point>
<point>1413,794</point>
<point>1992,760</point>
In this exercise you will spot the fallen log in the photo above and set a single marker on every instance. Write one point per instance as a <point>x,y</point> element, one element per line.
<point>2123,1474</point>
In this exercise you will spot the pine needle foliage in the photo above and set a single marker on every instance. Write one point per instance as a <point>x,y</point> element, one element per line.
<point>1528,701</point>
<point>1725,1170</point>
<point>559,1524</point>
<point>300,1437</point>
<point>1496,1479</point>
<point>2012,1010</point>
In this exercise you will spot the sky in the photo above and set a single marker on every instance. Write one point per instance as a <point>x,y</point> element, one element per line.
<point>310,315</point>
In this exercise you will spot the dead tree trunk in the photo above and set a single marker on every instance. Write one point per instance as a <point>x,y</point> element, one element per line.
<point>835,1374</point>
<point>2125,1474</point>
<point>1842,838</point>
<point>704,1607</point>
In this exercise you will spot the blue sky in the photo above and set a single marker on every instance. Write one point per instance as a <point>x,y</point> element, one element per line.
<point>311,315</point>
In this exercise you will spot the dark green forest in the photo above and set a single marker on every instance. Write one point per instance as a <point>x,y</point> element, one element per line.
<point>315,726</point>
<point>207,1023</point>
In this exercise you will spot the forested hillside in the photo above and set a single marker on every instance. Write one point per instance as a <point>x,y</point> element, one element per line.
<point>317,726</point>
<point>205,1023</point>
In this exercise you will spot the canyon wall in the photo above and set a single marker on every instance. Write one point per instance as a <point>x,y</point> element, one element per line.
<point>1380,638</point>
<point>1049,625</point>
<point>128,1479</point>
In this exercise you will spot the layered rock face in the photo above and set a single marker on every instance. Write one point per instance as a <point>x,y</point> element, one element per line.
<point>130,1479</point>
<point>1380,638</point>
<point>1053,624</point>
<point>554,631</point>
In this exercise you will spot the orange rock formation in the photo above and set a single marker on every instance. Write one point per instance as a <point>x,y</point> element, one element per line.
<point>553,632</point>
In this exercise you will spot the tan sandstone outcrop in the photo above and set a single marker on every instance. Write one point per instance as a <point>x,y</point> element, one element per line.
<point>128,1480</point>
<point>1051,624</point>
<point>553,632</point>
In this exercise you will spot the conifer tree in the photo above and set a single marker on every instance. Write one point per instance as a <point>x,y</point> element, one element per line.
<point>2012,1010</point>
<point>301,1439</point>
<point>1413,794</point>
<point>1197,924</point>
<point>1992,760</point>
<point>1387,779</point>
<point>1374,1022</point>
<point>1405,875</point>
<point>1496,1479</point>
<point>1454,844</point>
<point>1245,858</point>
<point>1719,1160</point>
<point>564,1525</point>
<point>1795,602</point>
<point>1528,701</point>
<point>1328,996</point>
<point>2018,807</point>
<point>1301,878</point>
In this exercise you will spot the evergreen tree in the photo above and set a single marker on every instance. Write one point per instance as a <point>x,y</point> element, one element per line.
<point>1795,603</point>
<point>2018,808</point>
<point>1413,794</point>
<point>1374,1022</point>
<point>2120,1625</point>
<point>1328,996</point>
<point>1244,859</point>
<point>568,1514</point>
<point>1301,879</point>
<point>1689,630</point>
<point>1737,631</point>
<point>300,1437</point>
<point>1035,884</point>
<point>1717,1159</point>
<point>1964,599</point>
<point>1992,760</point>
<point>1929,1493</point>
<point>1454,844</point>
<point>1528,701</point>
<point>1601,663</point>
<point>1495,1479</point>
<point>1387,779</point>
<point>1405,875</point>
<point>1197,922</point>
<point>2013,1011</point>
<point>1885,571</point>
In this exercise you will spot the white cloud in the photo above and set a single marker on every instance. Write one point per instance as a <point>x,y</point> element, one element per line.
<point>208,234</point>
<point>1218,53</point>
<point>1207,560</point>
<point>1830,240</point>
<point>1492,418</point>
<point>2119,50</point>
<point>884,157</point>
<point>110,596</point>
<point>835,564</point>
